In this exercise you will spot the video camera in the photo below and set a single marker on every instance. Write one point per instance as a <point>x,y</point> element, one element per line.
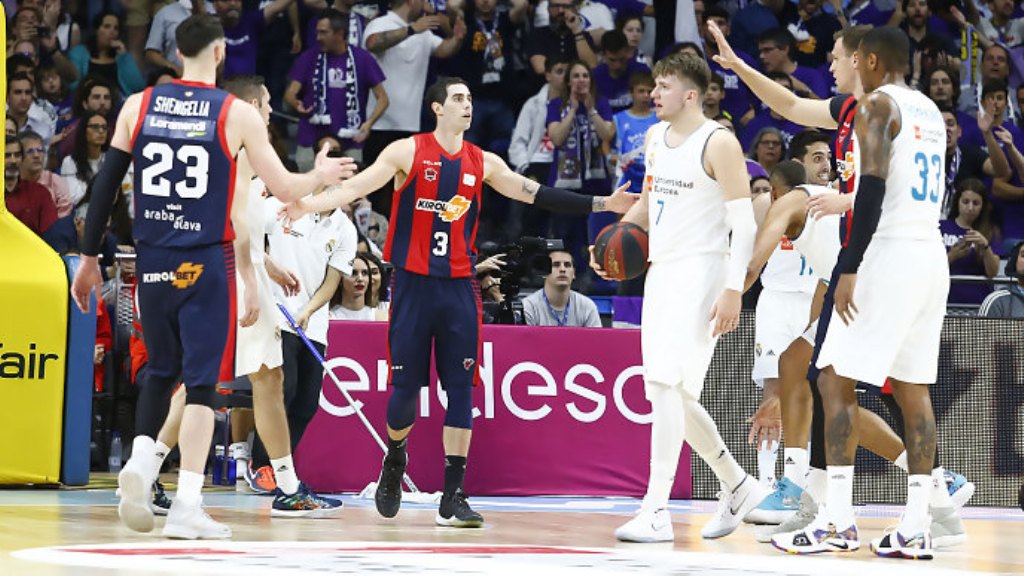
<point>527,262</point>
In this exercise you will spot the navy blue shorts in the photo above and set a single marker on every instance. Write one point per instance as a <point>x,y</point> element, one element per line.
<point>430,311</point>
<point>187,309</point>
<point>827,306</point>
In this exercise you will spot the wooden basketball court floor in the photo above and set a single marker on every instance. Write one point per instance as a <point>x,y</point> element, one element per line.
<point>77,532</point>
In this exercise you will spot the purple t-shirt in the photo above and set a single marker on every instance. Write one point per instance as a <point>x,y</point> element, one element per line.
<point>243,40</point>
<point>616,90</point>
<point>868,14</point>
<point>764,119</point>
<point>367,75</point>
<point>968,265</point>
<point>588,137</point>
<point>738,99</point>
<point>814,80</point>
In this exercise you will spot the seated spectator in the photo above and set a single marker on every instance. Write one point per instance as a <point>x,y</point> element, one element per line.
<point>27,201</point>
<point>33,169</point>
<point>995,101</point>
<point>613,74</point>
<point>631,130</point>
<point>965,161</point>
<point>104,56</point>
<point>339,106</point>
<point>968,234</point>
<point>556,304</point>
<point>22,108</point>
<point>1008,302</point>
<point>377,292</point>
<point>632,27</point>
<point>767,148</point>
<point>777,49</point>
<point>349,301</point>
<point>79,168</point>
<point>942,85</point>
<point>713,98</point>
<point>11,128</point>
<point>93,95</point>
<point>52,92</point>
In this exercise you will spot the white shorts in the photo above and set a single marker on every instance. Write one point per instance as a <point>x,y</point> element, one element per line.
<point>259,344</point>
<point>810,335</point>
<point>675,327</point>
<point>901,294</point>
<point>780,318</point>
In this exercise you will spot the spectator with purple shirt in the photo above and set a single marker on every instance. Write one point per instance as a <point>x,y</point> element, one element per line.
<point>334,81</point>
<point>968,234</point>
<point>737,101</point>
<point>768,147</point>
<point>757,17</point>
<point>776,48</point>
<point>612,76</point>
<point>242,31</point>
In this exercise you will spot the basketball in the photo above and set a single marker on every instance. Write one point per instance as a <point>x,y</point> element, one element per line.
<point>621,249</point>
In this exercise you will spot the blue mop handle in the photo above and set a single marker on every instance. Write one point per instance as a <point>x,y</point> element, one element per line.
<point>301,333</point>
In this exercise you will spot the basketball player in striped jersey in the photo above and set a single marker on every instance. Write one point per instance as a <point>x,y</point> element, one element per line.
<point>692,290</point>
<point>183,138</point>
<point>890,314</point>
<point>836,113</point>
<point>435,299</point>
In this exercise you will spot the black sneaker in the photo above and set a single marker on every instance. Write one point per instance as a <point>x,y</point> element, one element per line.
<point>389,487</point>
<point>455,511</point>
<point>161,503</point>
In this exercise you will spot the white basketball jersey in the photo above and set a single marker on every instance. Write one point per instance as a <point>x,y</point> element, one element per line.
<point>788,271</point>
<point>686,206</point>
<point>254,218</point>
<point>912,206</point>
<point>820,240</point>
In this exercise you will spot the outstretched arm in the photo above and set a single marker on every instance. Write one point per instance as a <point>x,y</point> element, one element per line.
<point>518,187</point>
<point>781,214</point>
<point>804,111</point>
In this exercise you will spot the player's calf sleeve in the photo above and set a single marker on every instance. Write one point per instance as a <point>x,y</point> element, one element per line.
<point>703,436</point>
<point>402,407</point>
<point>153,403</point>
<point>666,442</point>
<point>460,407</point>
<point>818,459</point>
<point>200,396</point>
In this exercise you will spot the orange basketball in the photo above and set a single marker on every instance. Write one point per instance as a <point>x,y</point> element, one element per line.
<point>621,249</point>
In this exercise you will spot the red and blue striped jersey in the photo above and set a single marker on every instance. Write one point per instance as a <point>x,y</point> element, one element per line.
<point>844,108</point>
<point>184,179</point>
<point>434,214</point>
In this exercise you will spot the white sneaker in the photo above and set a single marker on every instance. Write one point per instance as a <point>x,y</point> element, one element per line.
<point>946,528</point>
<point>802,519</point>
<point>733,505</point>
<point>135,491</point>
<point>239,451</point>
<point>192,522</point>
<point>647,526</point>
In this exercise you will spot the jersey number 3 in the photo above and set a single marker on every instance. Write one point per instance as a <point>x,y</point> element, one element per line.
<point>197,163</point>
<point>930,173</point>
<point>440,244</point>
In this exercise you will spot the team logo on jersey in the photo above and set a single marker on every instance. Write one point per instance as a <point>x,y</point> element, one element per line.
<point>469,179</point>
<point>757,349</point>
<point>786,244</point>
<point>449,211</point>
<point>330,246</point>
<point>844,131</point>
<point>430,174</point>
<point>846,166</point>
<point>186,275</point>
<point>467,363</point>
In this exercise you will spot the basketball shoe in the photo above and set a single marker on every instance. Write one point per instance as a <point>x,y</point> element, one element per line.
<point>946,528</point>
<point>161,503</point>
<point>779,506</point>
<point>304,504</point>
<point>134,488</point>
<point>805,514</point>
<point>260,481</point>
<point>647,526</point>
<point>817,538</point>
<point>960,489</point>
<point>894,545</point>
<point>454,511</point>
<point>388,496</point>
<point>193,523</point>
<point>733,506</point>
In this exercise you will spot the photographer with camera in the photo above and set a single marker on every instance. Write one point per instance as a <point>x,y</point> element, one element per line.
<point>557,304</point>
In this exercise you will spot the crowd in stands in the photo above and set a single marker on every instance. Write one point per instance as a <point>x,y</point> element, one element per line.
<point>562,90</point>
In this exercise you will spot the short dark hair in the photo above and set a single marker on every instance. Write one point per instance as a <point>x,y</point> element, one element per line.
<point>613,41</point>
<point>951,111</point>
<point>780,37</point>
<point>438,91</point>
<point>20,76</point>
<point>789,172</point>
<point>851,37</point>
<point>553,60</point>
<point>338,21</point>
<point>890,45</point>
<point>716,78</point>
<point>86,87</point>
<point>993,86</point>
<point>803,140</point>
<point>685,67</point>
<point>29,135</point>
<point>11,141</point>
<point>678,48</point>
<point>15,61</point>
<point>777,75</point>
<point>245,86</point>
<point>641,78</point>
<point>716,11</point>
<point>197,32</point>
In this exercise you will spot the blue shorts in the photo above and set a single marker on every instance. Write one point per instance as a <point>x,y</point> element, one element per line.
<point>187,309</point>
<point>827,305</point>
<point>430,311</point>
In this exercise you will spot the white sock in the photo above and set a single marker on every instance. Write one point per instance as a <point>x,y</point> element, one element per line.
<point>144,455</point>
<point>901,461</point>
<point>840,496</point>
<point>817,485</point>
<point>703,436</point>
<point>190,488</point>
<point>767,458</point>
<point>160,454</point>
<point>666,443</point>
<point>284,473</point>
<point>915,515</point>
<point>939,495</point>
<point>795,465</point>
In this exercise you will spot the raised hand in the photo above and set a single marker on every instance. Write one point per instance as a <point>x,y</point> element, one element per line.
<point>725,58</point>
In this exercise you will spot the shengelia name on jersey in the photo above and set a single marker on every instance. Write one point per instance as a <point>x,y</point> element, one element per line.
<point>175,107</point>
